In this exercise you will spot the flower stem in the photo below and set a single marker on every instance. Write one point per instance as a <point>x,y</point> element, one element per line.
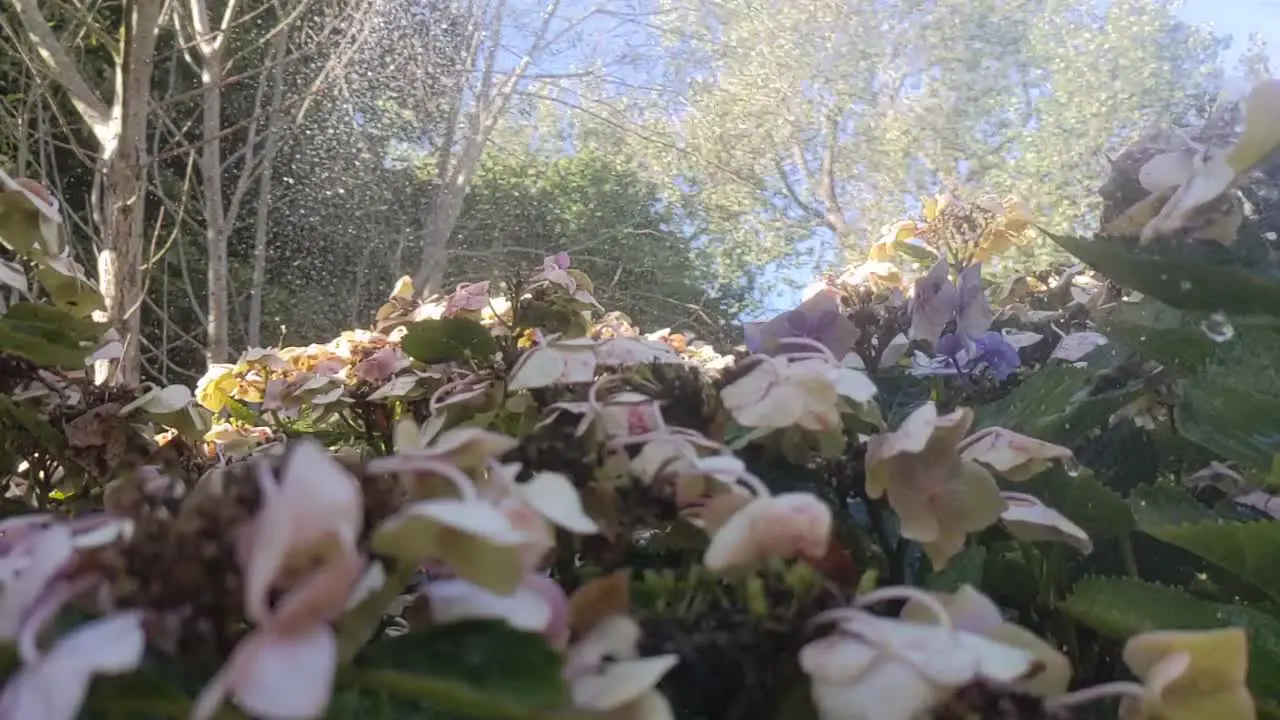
<point>1127,555</point>
<point>1105,691</point>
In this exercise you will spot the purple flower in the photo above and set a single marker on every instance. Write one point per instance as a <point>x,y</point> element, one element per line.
<point>936,301</point>
<point>998,354</point>
<point>818,318</point>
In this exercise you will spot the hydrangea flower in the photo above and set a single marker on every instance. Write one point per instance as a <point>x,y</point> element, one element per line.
<point>974,612</point>
<point>936,301</point>
<point>939,496</point>
<point>990,350</point>
<point>818,318</point>
<point>891,669</point>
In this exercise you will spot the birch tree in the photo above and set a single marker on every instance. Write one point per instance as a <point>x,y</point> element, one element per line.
<point>497,69</point>
<point>251,40</point>
<point>117,123</point>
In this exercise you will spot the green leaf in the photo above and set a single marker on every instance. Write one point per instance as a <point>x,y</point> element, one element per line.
<point>83,329</point>
<point>1185,275</point>
<point>48,436</point>
<point>1250,551</point>
<point>1156,506</point>
<point>1158,332</point>
<point>1096,508</point>
<point>41,344</point>
<point>1053,404</point>
<point>915,252</point>
<point>449,340</point>
<point>480,669</point>
<point>1235,422</point>
<point>1120,607</point>
<point>964,569</point>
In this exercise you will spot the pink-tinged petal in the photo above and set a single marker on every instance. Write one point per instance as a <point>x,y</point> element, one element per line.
<point>316,500</point>
<point>289,677</point>
<point>321,596</point>
<point>557,629</point>
<point>26,574</point>
<point>786,525</point>
<point>282,677</point>
<point>539,534</point>
<point>55,686</point>
<point>380,365</point>
<point>933,303</point>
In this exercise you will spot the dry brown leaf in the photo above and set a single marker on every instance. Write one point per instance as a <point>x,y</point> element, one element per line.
<point>599,599</point>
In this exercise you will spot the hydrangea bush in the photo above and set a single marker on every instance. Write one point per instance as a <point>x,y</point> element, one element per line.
<point>915,495</point>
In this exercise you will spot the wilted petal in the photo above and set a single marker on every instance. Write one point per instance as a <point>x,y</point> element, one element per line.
<point>934,301</point>
<point>1075,346</point>
<point>781,526</point>
<point>381,365</point>
<point>973,313</point>
<point>1013,456</point>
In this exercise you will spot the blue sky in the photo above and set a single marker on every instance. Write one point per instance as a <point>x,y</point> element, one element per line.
<point>1237,18</point>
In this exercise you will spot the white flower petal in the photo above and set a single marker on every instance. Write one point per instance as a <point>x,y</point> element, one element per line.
<point>1030,520</point>
<point>554,496</point>
<point>458,600</point>
<point>1075,346</point>
<point>620,682</point>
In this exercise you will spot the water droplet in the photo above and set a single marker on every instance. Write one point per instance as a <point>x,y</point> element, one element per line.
<point>1071,466</point>
<point>1185,285</point>
<point>1218,328</point>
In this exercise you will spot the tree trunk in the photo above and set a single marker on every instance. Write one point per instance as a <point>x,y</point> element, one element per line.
<point>119,263</point>
<point>262,223</point>
<point>217,344</point>
<point>445,210</point>
<point>124,165</point>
